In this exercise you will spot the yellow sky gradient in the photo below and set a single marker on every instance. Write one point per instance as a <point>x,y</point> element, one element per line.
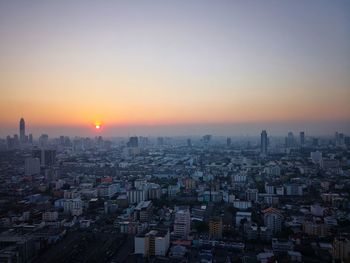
<point>81,98</point>
<point>74,63</point>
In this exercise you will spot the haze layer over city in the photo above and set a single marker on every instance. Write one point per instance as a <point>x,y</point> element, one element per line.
<point>174,131</point>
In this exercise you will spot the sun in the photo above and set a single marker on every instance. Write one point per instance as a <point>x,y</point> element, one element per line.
<point>98,125</point>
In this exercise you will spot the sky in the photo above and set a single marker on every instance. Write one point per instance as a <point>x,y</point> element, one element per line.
<point>174,67</point>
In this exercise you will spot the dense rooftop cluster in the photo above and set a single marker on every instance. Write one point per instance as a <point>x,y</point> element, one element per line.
<point>179,199</point>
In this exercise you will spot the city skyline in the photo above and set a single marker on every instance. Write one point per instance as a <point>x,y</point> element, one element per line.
<point>175,68</point>
<point>220,130</point>
<point>174,131</point>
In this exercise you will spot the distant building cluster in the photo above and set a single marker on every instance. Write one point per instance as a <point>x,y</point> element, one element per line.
<point>168,199</point>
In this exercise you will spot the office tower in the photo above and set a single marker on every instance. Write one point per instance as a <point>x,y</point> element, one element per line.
<point>182,225</point>
<point>16,141</point>
<point>207,138</point>
<point>189,143</point>
<point>228,141</point>
<point>43,140</point>
<point>31,166</point>
<point>215,228</point>
<point>47,157</point>
<point>347,141</point>
<point>302,138</point>
<point>336,138</point>
<point>9,142</point>
<point>99,142</point>
<point>290,140</point>
<point>133,142</point>
<point>22,130</point>
<point>143,141</point>
<point>339,139</point>
<point>263,143</point>
<point>160,141</point>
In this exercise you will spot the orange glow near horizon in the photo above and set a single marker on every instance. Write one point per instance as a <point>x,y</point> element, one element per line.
<point>84,65</point>
<point>98,125</point>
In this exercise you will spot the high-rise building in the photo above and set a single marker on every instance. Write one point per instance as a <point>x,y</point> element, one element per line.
<point>154,191</point>
<point>47,157</point>
<point>215,228</point>
<point>143,141</point>
<point>341,249</point>
<point>143,211</point>
<point>136,196</point>
<point>43,140</point>
<point>290,142</point>
<point>228,141</point>
<point>273,219</point>
<point>12,143</point>
<point>22,130</point>
<point>347,141</point>
<point>339,139</point>
<point>263,143</point>
<point>189,143</point>
<point>15,141</point>
<point>133,142</point>
<point>302,138</point>
<point>252,195</point>
<point>156,242</point>
<point>30,138</point>
<point>182,225</point>
<point>31,166</point>
<point>160,141</point>
<point>315,142</point>
<point>207,138</point>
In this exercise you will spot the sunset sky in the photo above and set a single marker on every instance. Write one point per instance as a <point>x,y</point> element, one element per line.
<point>147,67</point>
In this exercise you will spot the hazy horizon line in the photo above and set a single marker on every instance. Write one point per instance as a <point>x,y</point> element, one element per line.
<point>315,128</point>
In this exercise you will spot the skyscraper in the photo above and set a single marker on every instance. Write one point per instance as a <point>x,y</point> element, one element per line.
<point>22,130</point>
<point>228,141</point>
<point>30,138</point>
<point>290,142</point>
<point>31,166</point>
<point>189,143</point>
<point>133,142</point>
<point>302,138</point>
<point>263,143</point>
<point>47,157</point>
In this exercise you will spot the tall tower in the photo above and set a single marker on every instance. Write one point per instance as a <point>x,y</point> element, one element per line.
<point>302,138</point>
<point>263,143</point>
<point>290,142</point>
<point>22,130</point>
